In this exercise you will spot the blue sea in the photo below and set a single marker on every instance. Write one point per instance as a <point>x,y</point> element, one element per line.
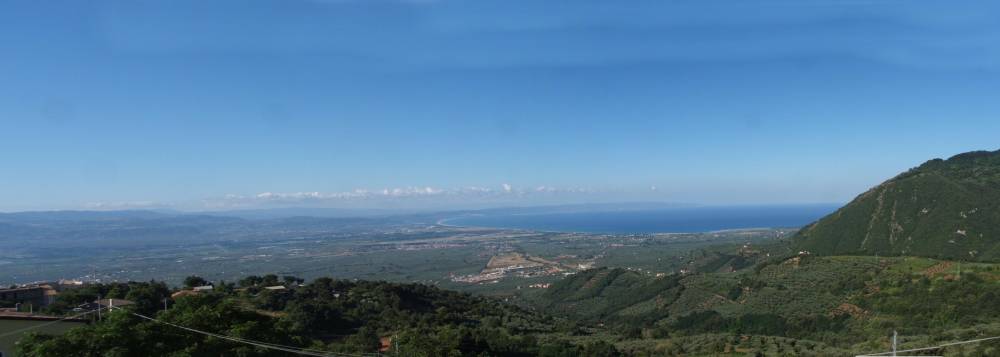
<point>660,220</point>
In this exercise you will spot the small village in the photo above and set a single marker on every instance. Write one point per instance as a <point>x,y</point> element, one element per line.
<point>518,265</point>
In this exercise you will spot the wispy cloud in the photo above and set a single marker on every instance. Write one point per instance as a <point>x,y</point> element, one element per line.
<point>411,194</point>
<point>124,205</point>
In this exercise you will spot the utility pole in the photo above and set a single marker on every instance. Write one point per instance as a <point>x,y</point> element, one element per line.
<point>894,334</point>
<point>164,304</point>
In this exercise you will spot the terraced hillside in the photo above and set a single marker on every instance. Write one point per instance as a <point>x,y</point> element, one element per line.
<point>610,294</point>
<point>943,208</point>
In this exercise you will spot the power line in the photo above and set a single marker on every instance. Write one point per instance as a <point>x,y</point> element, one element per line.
<point>273,346</point>
<point>934,347</point>
<point>241,340</point>
<point>29,328</point>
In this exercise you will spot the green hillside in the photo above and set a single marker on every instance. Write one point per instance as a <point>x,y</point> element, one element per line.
<point>943,208</point>
<point>327,317</point>
<point>611,294</point>
<point>803,305</point>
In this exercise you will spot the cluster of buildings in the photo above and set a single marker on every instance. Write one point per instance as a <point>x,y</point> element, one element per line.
<point>492,275</point>
<point>24,301</point>
<point>32,296</point>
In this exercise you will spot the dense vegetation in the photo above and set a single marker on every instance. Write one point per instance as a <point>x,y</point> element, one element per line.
<point>604,294</point>
<point>943,208</point>
<point>324,315</point>
<point>789,305</point>
<point>797,305</point>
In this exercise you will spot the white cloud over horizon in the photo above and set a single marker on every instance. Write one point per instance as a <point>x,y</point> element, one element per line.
<point>124,205</point>
<point>424,196</point>
<point>431,198</point>
<point>409,197</point>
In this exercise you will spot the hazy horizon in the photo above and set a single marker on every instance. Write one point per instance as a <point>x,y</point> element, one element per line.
<point>319,211</point>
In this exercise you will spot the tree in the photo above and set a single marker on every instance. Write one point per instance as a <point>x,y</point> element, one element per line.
<point>194,280</point>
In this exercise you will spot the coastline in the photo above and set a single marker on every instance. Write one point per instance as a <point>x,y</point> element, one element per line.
<point>639,222</point>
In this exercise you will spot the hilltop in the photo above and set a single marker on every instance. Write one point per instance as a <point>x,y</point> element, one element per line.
<point>943,208</point>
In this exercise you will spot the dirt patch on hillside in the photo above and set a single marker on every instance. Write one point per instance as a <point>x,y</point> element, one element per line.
<point>593,281</point>
<point>510,260</point>
<point>849,309</point>
<point>937,269</point>
<point>794,261</point>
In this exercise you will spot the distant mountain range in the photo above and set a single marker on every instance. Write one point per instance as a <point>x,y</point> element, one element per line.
<point>71,228</point>
<point>134,228</point>
<point>943,208</point>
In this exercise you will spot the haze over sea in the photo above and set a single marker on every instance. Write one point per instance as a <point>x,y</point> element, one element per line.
<point>659,220</point>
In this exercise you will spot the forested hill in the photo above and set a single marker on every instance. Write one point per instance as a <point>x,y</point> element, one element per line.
<point>607,294</point>
<point>943,208</point>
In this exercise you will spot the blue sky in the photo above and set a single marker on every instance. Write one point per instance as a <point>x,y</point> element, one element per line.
<point>239,104</point>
